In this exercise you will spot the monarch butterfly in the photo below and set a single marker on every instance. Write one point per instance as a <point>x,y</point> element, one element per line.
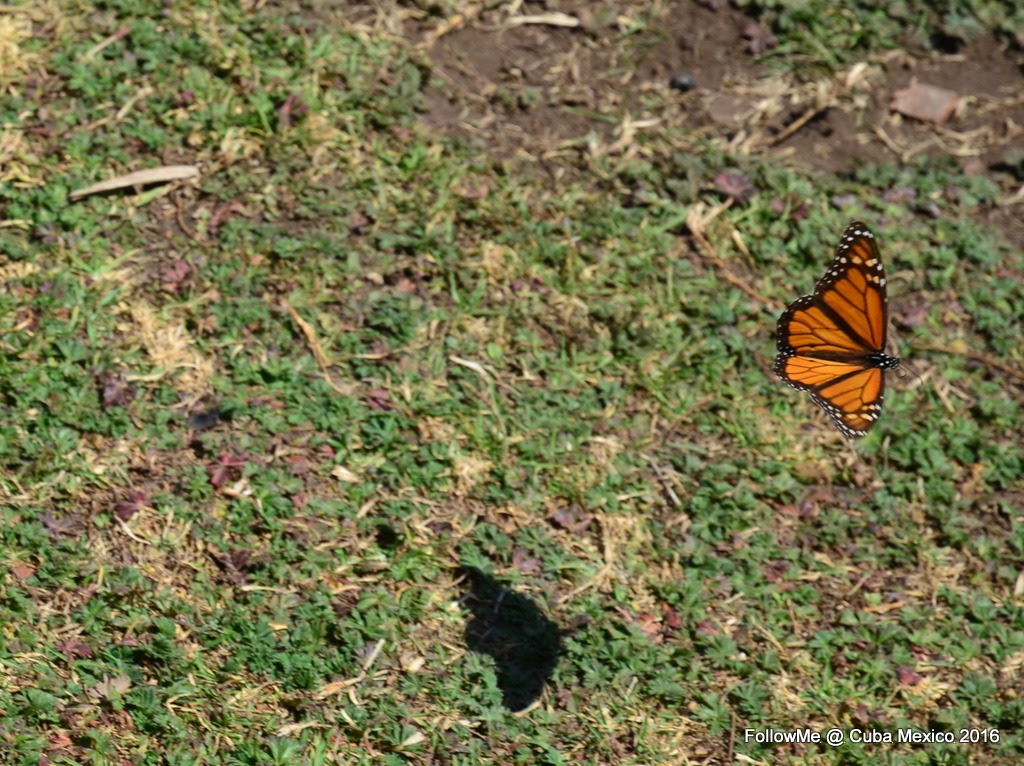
<point>832,342</point>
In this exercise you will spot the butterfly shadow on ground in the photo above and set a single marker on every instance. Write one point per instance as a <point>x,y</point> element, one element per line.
<point>512,629</point>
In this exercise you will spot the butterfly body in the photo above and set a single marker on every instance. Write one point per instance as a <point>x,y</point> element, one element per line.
<point>831,343</point>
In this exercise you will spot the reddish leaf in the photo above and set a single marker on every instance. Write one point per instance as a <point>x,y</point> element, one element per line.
<point>908,676</point>
<point>227,468</point>
<point>798,209</point>
<point>292,108</point>
<point>760,37</point>
<point>378,399</point>
<point>115,390</point>
<point>131,504</point>
<point>358,222</point>
<point>671,618</point>
<point>59,527</point>
<point>175,276</point>
<point>525,563</point>
<point>73,650</point>
<point>734,184</point>
<point>571,518</point>
<point>223,213</point>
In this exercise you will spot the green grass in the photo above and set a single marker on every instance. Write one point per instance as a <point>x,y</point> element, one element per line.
<point>819,37</point>
<point>541,453</point>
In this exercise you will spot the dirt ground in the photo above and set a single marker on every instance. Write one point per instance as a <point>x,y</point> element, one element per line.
<point>543,83</point>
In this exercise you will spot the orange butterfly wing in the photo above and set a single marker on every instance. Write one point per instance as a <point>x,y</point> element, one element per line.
<point>831,343</point>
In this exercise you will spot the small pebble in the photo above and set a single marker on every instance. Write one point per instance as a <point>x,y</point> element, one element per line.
<point>683,82</point>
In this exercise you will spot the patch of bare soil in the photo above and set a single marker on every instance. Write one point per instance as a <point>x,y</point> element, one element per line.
<point>987,81</point>
<point>540,82</point>
<point>527,80</point>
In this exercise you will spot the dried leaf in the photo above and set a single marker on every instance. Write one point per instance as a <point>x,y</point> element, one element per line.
<point>760,37</point>
<point>927,103</point>
<point>139,178</point>
<point>341,473</point>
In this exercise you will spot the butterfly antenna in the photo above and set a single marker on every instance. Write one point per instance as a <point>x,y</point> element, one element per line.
<point>907,366</point>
